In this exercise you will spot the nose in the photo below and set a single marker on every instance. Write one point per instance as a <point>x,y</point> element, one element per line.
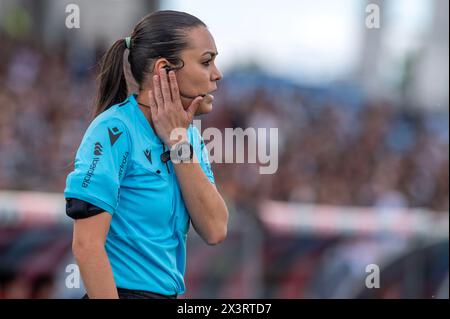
<point>216,75</point>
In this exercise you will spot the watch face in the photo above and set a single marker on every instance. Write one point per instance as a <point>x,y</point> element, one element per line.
<point>181,152</point>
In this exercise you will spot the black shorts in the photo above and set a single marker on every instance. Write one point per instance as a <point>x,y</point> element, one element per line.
<point>138,294</point>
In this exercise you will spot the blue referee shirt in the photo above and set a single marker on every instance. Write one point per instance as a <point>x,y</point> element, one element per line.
<point>118,168</point>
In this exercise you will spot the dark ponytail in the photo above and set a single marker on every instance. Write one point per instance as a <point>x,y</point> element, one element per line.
<point>112,85</point>
<point>161,34</point>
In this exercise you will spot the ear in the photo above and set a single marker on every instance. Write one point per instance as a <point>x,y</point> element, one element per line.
<point>159,64</point>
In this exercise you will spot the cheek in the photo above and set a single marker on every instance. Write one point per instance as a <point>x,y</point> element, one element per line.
<point>193,78</point>
<point>181,80</point>
<point>185,102</point>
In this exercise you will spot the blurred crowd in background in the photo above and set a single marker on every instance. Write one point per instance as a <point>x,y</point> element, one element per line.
<point>335,146</point>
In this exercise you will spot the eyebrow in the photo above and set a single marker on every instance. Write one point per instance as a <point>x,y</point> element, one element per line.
<point>213,54</point>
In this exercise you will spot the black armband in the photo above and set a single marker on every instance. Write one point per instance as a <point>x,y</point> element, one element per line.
<point>78,209</point>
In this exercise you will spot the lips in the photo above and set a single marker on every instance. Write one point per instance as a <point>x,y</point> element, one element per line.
<point>209,97</point>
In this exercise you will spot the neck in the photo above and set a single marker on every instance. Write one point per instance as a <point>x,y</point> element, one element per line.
<point>144,104</point>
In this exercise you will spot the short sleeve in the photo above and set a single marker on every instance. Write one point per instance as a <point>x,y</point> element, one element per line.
<point>100,164</point>
<point>202,154</point>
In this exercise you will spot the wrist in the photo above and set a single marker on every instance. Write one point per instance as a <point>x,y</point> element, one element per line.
<point>181,152</point>
<point>177,136</point>
<point>173,143</point>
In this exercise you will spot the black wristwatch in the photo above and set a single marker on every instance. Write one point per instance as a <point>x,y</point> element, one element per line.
<point>181,152</point>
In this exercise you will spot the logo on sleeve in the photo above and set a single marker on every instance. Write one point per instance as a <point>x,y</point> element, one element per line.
<point>114,135</point>
<point>98,149</point>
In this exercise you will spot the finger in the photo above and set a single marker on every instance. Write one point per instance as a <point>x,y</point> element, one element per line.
<point>153,105</point>
<point>194,106</point>
<point>174,88</point>
<point>165,86</point>
<point>157,92</point>
<point>208,99</point>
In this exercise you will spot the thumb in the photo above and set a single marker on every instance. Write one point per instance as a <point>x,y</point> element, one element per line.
<point>194,106</point>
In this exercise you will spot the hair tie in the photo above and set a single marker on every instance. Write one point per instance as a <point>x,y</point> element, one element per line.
<point>128,42</point>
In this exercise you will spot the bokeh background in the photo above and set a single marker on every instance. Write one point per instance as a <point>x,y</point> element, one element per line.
<point>363,124</point>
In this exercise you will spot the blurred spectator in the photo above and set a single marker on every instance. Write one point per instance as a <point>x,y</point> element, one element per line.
<point>330,151</point>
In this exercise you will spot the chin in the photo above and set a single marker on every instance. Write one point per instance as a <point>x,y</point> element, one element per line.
<point>204,109</point>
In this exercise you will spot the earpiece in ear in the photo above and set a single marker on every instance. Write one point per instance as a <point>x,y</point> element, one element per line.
<point>168,68</point>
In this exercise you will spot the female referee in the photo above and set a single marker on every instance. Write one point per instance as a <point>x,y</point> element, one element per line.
<point>141,172</point>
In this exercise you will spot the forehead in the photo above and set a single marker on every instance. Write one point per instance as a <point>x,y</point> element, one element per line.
<point>200,41</point>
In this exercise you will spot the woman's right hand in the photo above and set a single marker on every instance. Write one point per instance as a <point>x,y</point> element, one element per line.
<point>169,117</point>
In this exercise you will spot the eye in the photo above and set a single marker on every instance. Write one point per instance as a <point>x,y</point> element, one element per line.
<point>206,63</point>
